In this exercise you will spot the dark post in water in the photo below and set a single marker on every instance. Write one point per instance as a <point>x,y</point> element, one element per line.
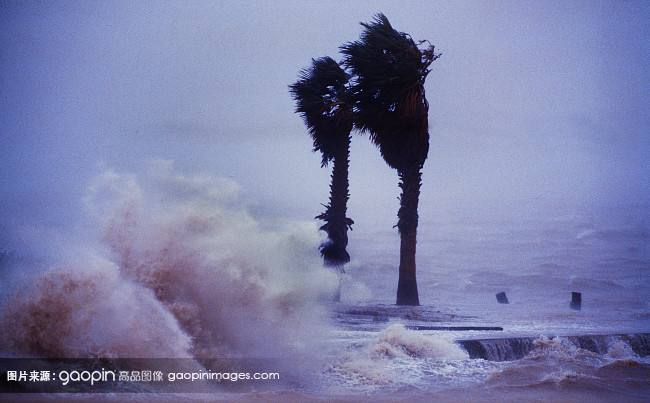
<point>576,300</point>
<point>502,298</point>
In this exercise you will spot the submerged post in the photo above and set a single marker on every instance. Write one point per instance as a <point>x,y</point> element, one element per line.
<point>502,298</point>
<point>339,274</point>
<point>576,300</point>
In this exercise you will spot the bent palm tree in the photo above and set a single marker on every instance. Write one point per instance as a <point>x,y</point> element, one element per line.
<point>322,98</point>
<point>390,105</point>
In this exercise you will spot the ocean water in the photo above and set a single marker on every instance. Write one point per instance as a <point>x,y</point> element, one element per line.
<point>538,262</point>
<point>462,264</point>
<point>178,267</point>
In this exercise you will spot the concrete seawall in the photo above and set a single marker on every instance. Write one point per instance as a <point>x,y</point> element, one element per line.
<point>513,348</point>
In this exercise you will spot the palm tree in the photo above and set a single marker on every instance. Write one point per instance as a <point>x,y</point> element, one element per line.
<point>390,105</point>
<point>323,100</point>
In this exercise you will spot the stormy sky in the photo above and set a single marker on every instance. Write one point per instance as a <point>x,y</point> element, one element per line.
<point>531,104</point>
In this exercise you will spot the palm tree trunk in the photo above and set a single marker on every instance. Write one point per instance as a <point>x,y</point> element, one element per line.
<point>336,223</point>
<point>407,287</point>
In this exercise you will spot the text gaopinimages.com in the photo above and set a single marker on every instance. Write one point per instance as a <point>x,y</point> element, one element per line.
<point>92,377</point>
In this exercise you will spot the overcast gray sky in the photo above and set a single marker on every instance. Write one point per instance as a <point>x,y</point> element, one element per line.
<point>531,102</point>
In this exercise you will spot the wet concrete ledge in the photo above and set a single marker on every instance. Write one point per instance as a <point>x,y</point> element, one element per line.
<point>514,348</point>
<point>456,328</point>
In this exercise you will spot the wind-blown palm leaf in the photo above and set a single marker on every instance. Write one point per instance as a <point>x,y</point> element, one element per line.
<point>390,104</point>
<point>321,96</point>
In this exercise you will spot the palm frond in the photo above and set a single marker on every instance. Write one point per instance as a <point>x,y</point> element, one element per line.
<point>390,103</point>
<point>323,100</point>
